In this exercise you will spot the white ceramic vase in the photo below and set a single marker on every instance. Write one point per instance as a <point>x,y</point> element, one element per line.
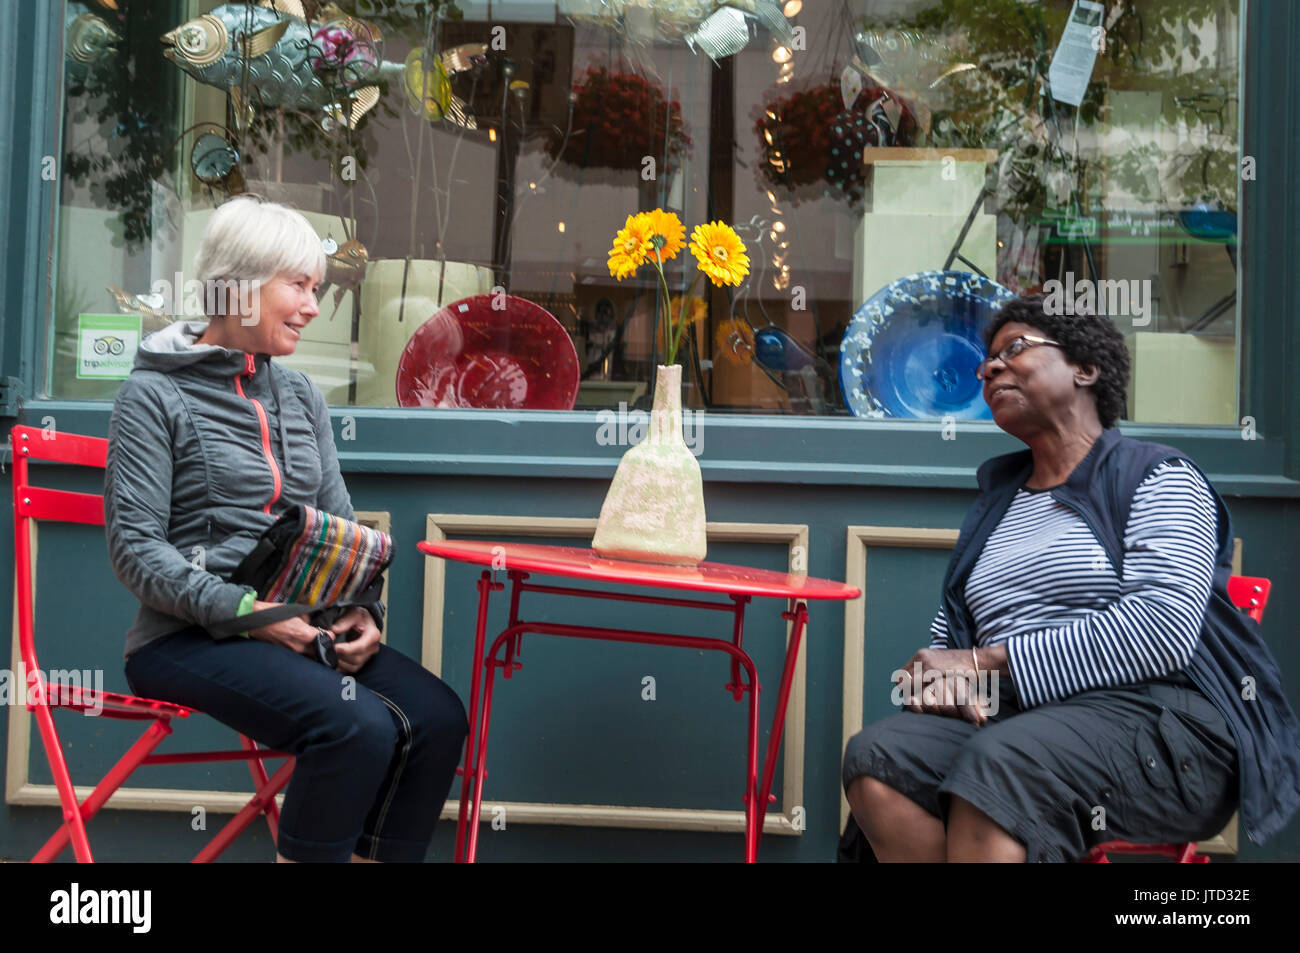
<point>654,511</point>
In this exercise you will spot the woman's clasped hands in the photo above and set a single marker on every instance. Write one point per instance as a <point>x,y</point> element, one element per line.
<point>298,635</point>
<point>943,682</point>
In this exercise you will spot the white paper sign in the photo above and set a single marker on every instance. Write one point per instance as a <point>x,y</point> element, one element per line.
<point>850,86</point>
<point>1076,54</point>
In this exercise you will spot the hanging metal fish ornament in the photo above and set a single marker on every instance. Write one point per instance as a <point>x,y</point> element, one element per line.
<point>89,41</point>
<point>89,38</point>
<point>148,307</point>
<point>345,267</point>
<point>270,55</point>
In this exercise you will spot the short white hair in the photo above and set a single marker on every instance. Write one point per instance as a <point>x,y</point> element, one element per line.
<point>248,239</point>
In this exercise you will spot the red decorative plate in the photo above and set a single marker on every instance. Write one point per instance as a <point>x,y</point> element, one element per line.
<point>470,354</point>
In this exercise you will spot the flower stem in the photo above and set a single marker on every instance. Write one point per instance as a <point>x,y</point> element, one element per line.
<point>670,354</point>
<point>681,318</point>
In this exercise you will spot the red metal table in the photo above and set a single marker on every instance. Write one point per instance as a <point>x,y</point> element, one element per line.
<point>738,583</point>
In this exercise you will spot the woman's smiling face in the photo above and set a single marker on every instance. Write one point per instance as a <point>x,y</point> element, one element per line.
<point>282,308</point>
<point>1035,388</point>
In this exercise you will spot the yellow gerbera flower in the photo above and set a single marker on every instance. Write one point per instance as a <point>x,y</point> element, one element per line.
<point>720,252</point>
<point>631,246</point>
<point>667,233</point>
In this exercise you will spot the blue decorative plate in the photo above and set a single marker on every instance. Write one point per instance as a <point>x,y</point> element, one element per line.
<point>911,350</point>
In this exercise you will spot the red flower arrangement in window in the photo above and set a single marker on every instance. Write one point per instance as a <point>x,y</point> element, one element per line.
<point>794,134</point>
<point>618,119</point>
<point>808,138</point>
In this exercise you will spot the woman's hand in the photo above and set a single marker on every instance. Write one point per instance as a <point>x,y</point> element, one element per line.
<point>295,633</point>
<point>354,654</point>
<point>943,682</point>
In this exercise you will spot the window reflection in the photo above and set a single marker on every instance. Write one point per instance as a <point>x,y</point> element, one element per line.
<point>452,150</point>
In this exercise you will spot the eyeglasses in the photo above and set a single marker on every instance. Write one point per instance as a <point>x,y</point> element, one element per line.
<point>1016,347</point>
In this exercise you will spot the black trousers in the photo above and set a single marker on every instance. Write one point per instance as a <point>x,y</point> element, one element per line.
<point>376,753</point>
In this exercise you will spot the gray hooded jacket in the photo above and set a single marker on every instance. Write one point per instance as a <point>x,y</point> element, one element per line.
<point>207,447</point>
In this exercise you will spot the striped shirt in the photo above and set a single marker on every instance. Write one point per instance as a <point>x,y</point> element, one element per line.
<point>1044,586</point>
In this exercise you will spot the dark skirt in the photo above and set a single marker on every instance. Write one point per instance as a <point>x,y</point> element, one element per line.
<point>1148,763</point>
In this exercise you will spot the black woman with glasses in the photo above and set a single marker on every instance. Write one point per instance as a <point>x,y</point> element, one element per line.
<point>1087,678</point>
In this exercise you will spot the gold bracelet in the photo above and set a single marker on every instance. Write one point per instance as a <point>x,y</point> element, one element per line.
<point>975,658</point>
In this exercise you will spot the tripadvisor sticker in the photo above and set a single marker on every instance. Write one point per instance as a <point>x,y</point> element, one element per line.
<point>106,345</point>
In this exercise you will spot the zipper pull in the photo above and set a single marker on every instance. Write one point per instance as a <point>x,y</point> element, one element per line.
<point>249,367</point>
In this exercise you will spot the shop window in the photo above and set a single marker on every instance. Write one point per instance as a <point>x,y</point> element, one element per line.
<point>448,150</point>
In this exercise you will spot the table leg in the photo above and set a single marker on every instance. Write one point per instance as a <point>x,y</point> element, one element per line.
<point>514,649</point>
<point>753,819</point>
<point>735,686</point>
<point>485,587</point>
<point>481,771</point>
<point>800,618</point>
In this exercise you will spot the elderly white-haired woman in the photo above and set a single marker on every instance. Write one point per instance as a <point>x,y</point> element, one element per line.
<point>210,441</point>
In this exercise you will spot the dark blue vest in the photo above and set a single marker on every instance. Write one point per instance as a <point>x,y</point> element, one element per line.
<point>1231,665</point>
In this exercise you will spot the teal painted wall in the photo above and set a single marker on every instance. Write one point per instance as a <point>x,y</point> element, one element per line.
<point>571,727</point>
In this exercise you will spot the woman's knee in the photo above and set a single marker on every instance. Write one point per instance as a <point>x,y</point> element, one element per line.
<point>867,794</point>
<point>897,828</point>
<point>358,729</point>
<point>859,753</point>
<point>871,797</point>
<point>433,710</point>
<point>444,711</point>
<point>850,767</point>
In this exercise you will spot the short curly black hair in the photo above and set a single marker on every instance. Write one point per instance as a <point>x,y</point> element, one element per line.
<point>1085,339</point>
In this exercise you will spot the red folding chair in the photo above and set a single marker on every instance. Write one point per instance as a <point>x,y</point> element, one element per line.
<point>1249,594</point>
<point>44,503</point>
